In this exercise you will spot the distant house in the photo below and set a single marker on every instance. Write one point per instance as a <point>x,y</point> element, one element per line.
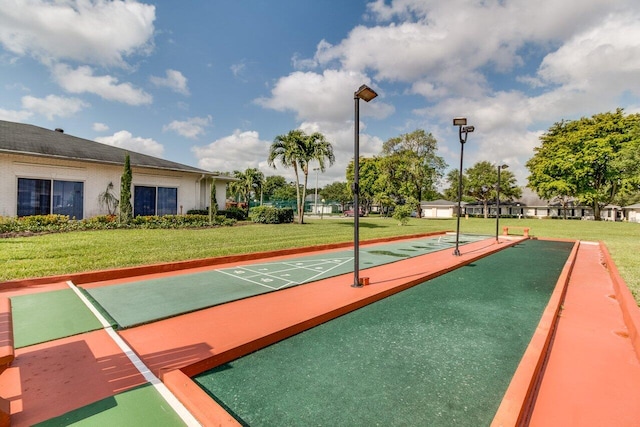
<point>46,171</point>
<point>528,206</point>
<point>440,209</point>
<point>632,212</point>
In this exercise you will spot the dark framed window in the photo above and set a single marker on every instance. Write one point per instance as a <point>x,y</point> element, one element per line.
<point>68,198</point>
<point>167,201</point>
<point>144,201</point>
<point>45,196</point>
<point>159,201</point>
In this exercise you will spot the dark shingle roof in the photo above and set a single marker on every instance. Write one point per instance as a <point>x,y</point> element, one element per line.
<point>21,138</point>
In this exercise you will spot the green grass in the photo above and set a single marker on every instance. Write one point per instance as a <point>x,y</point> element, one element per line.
<point>53,254</point>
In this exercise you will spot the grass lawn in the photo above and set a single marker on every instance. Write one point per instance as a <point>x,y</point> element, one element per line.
<point>52,254</point>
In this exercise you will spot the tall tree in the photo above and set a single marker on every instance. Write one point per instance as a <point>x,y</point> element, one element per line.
<point>126,210</point>
<point>482,180</point>
<point>271,184</point>
<point>297,150</point>
<point>585,159</point>
<point>412,165</point>
<point>370,182</point>
<point>337,192</point>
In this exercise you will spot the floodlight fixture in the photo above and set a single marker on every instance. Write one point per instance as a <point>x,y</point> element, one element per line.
<point>459,121</point>
<point>365,93</point>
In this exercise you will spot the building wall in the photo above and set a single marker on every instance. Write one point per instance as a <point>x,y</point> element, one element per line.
<point>437,212</point>
<point>193,190</point>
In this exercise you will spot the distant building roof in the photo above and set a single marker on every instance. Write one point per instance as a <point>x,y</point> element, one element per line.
<point>636,206</point>
<point>19,138</point>
<point>439,202</point>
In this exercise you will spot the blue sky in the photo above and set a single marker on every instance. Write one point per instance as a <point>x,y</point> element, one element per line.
<point>211,83</point>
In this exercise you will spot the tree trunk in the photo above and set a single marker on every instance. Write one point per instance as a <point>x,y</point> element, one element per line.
<point>486,209</point>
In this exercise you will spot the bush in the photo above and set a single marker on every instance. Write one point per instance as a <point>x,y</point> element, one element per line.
<point>402,214</point>
<point>60,223</point>
<point>271,215</point>
<point>234,213</point>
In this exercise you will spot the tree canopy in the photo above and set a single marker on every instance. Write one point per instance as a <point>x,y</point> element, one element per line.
<point>411,166</point>
<point>592,159</point>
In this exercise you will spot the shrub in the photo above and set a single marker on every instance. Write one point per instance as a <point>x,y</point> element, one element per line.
<point>402,214</point>
<point>198,212</point>
<point>59,223</point>
<point>234,213</point>
<point>271,215</point>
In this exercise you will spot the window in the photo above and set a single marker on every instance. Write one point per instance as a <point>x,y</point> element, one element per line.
<point>154,201</point>
<point>44,196</point>
<point>68,198</point>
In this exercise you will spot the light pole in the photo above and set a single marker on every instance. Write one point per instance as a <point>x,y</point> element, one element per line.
<point>367,94</point>
<point>322,211</point>
<point>315,202</point>
<point>461,122</point>
<point>500,167</point>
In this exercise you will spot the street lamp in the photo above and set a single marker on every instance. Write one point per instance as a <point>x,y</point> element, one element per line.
<point>315,202</point>
<point>367,94</point>
<point>500,167</point>
<point>461,122</point>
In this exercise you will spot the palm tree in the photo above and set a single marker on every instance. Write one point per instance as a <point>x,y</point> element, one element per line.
<point>249,181</point>
<point>297,149</point>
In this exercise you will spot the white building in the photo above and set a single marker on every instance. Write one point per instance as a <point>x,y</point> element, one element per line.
<point>46,171</point>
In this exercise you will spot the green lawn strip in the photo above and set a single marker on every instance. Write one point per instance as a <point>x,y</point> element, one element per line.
<point>46,316</point>
<point>139,302</point>
<point>441,353</point>
<point>140,407</point>
<point>63,253</point>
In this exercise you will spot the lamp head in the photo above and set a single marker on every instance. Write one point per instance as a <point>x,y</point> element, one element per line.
<point>366,93</point>
<point>459,121</point>
<point>468,129</point>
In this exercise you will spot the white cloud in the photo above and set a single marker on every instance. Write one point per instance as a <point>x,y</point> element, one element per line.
<point>52,105</point>
<point>15,116</point>
<point>82,80</point>
<point>100,127</point>
<point>174,81</point>
<point>322,97</point>
<point>124,139</point>
<point>96,32</point>
<point>605,58</point>
<point>238,151</point>
<point>190,128</point>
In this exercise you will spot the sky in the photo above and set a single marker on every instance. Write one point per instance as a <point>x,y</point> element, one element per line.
<point>212,83</point>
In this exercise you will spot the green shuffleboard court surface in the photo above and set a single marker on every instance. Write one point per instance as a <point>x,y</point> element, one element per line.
<point>144,301</point>
<point>48,316</point>
<point>141,407</point>
<point>441,353</point>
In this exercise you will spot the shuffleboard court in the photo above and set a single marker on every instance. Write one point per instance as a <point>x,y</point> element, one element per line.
<point>440,353</point>
<point>141,406</point>
<point>142,301</point>
<point>47,316</point>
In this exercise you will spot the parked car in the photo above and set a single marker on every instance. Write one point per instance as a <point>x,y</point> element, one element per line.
<point>349,212</point>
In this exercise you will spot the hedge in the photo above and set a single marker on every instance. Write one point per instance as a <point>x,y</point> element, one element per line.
<point>271,215</point>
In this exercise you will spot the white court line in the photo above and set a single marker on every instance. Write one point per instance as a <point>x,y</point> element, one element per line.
<point>162,389</point>
<point>247,279</point>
